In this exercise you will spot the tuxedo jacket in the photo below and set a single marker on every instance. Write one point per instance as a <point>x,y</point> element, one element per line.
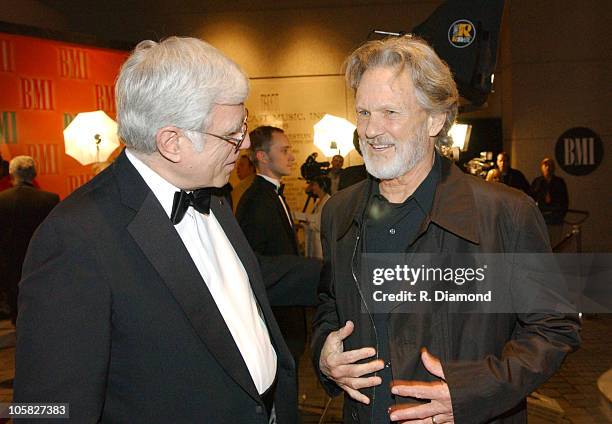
<point>291,280</point>
<point>264,220</point>
<point>116,320</point>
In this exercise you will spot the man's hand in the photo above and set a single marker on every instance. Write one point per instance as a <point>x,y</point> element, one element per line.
<point>440,408</point>
<point>340,366</point>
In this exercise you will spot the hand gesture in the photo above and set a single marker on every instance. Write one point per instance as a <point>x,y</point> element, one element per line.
<point>440,408</point>
<point>340,366</point>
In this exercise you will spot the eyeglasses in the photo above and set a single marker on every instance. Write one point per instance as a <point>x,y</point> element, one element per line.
<point>234,141</point>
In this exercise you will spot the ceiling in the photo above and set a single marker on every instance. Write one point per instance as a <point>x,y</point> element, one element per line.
<point>131,7</point>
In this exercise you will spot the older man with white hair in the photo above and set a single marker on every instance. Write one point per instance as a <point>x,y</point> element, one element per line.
<point>142,301</point>
<point>22,208</point>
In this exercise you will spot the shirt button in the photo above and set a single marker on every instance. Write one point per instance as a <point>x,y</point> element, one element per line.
<point>392,231</point>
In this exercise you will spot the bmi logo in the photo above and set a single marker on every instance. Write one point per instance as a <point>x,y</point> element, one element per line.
<point>76,181</point>
<point>7,63</point>
<point>46,157</point>
<point>579,151</point>
<point>270,102</point>
<point>8,127</point>
<point>73,63</point>
<point>36,94</point>
<point>461,33</point>
<point>105,98</point>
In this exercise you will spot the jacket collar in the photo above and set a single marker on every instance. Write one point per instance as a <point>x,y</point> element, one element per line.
<point>453,209</point>
<point>271,180</point>
<point>265,182</point>
<point>132,188</point>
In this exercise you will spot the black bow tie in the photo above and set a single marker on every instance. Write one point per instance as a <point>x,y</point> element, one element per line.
<point>199,199</point>
<point>280,189</point>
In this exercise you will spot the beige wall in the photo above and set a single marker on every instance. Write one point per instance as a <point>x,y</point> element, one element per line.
<point>553,71</point>
<point>559,77</point>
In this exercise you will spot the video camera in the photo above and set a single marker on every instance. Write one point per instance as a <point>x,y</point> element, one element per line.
<point>312,169</point>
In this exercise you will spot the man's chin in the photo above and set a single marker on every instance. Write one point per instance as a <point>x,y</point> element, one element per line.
<point>384,170</point>
<point>221,180</point>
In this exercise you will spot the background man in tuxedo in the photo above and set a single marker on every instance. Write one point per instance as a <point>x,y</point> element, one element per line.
<point>141,299</point>
<point>263,213</point>
<point>22,209</point>
<point>265,218</point>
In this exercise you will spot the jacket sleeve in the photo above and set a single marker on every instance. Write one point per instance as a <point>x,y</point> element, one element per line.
<point>251,216</point>
<point>64,324</point>
<point>485,388</point>
<point>326,317</point>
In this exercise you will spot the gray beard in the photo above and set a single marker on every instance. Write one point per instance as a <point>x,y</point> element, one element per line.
<point>407,155</point>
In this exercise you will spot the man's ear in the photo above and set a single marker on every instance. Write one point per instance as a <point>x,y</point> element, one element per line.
<point>167,140</point>
<point>435,122</point>
<point>262,157</point>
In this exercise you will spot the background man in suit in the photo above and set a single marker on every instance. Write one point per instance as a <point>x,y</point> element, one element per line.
<point>550,193</point>
<point>141,299</point>
<point>22,209</point>
<point>510,176</point>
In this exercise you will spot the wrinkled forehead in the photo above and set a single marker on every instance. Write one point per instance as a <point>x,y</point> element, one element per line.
<point>394,77</point>
<point>383,86</point>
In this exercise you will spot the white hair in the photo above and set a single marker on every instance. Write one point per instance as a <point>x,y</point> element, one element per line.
<point>22,168</point>
<point>174,82</point>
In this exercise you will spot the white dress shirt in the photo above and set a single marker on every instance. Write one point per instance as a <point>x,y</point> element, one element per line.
<point>277,184</point>
<point>225,277</point>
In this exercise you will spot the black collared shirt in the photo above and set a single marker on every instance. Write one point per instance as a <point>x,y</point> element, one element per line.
<point>391,228</point>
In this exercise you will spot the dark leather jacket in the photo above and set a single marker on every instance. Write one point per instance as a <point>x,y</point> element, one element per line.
<point>491,362</point>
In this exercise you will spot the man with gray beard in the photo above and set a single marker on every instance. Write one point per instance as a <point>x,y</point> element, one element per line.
<point>415,201</point>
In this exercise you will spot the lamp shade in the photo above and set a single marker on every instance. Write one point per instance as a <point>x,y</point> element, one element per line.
<point>334,135</point>
<point>91,137</point>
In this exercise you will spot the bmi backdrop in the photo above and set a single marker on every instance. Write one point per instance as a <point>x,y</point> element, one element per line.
<point>43,85</point>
